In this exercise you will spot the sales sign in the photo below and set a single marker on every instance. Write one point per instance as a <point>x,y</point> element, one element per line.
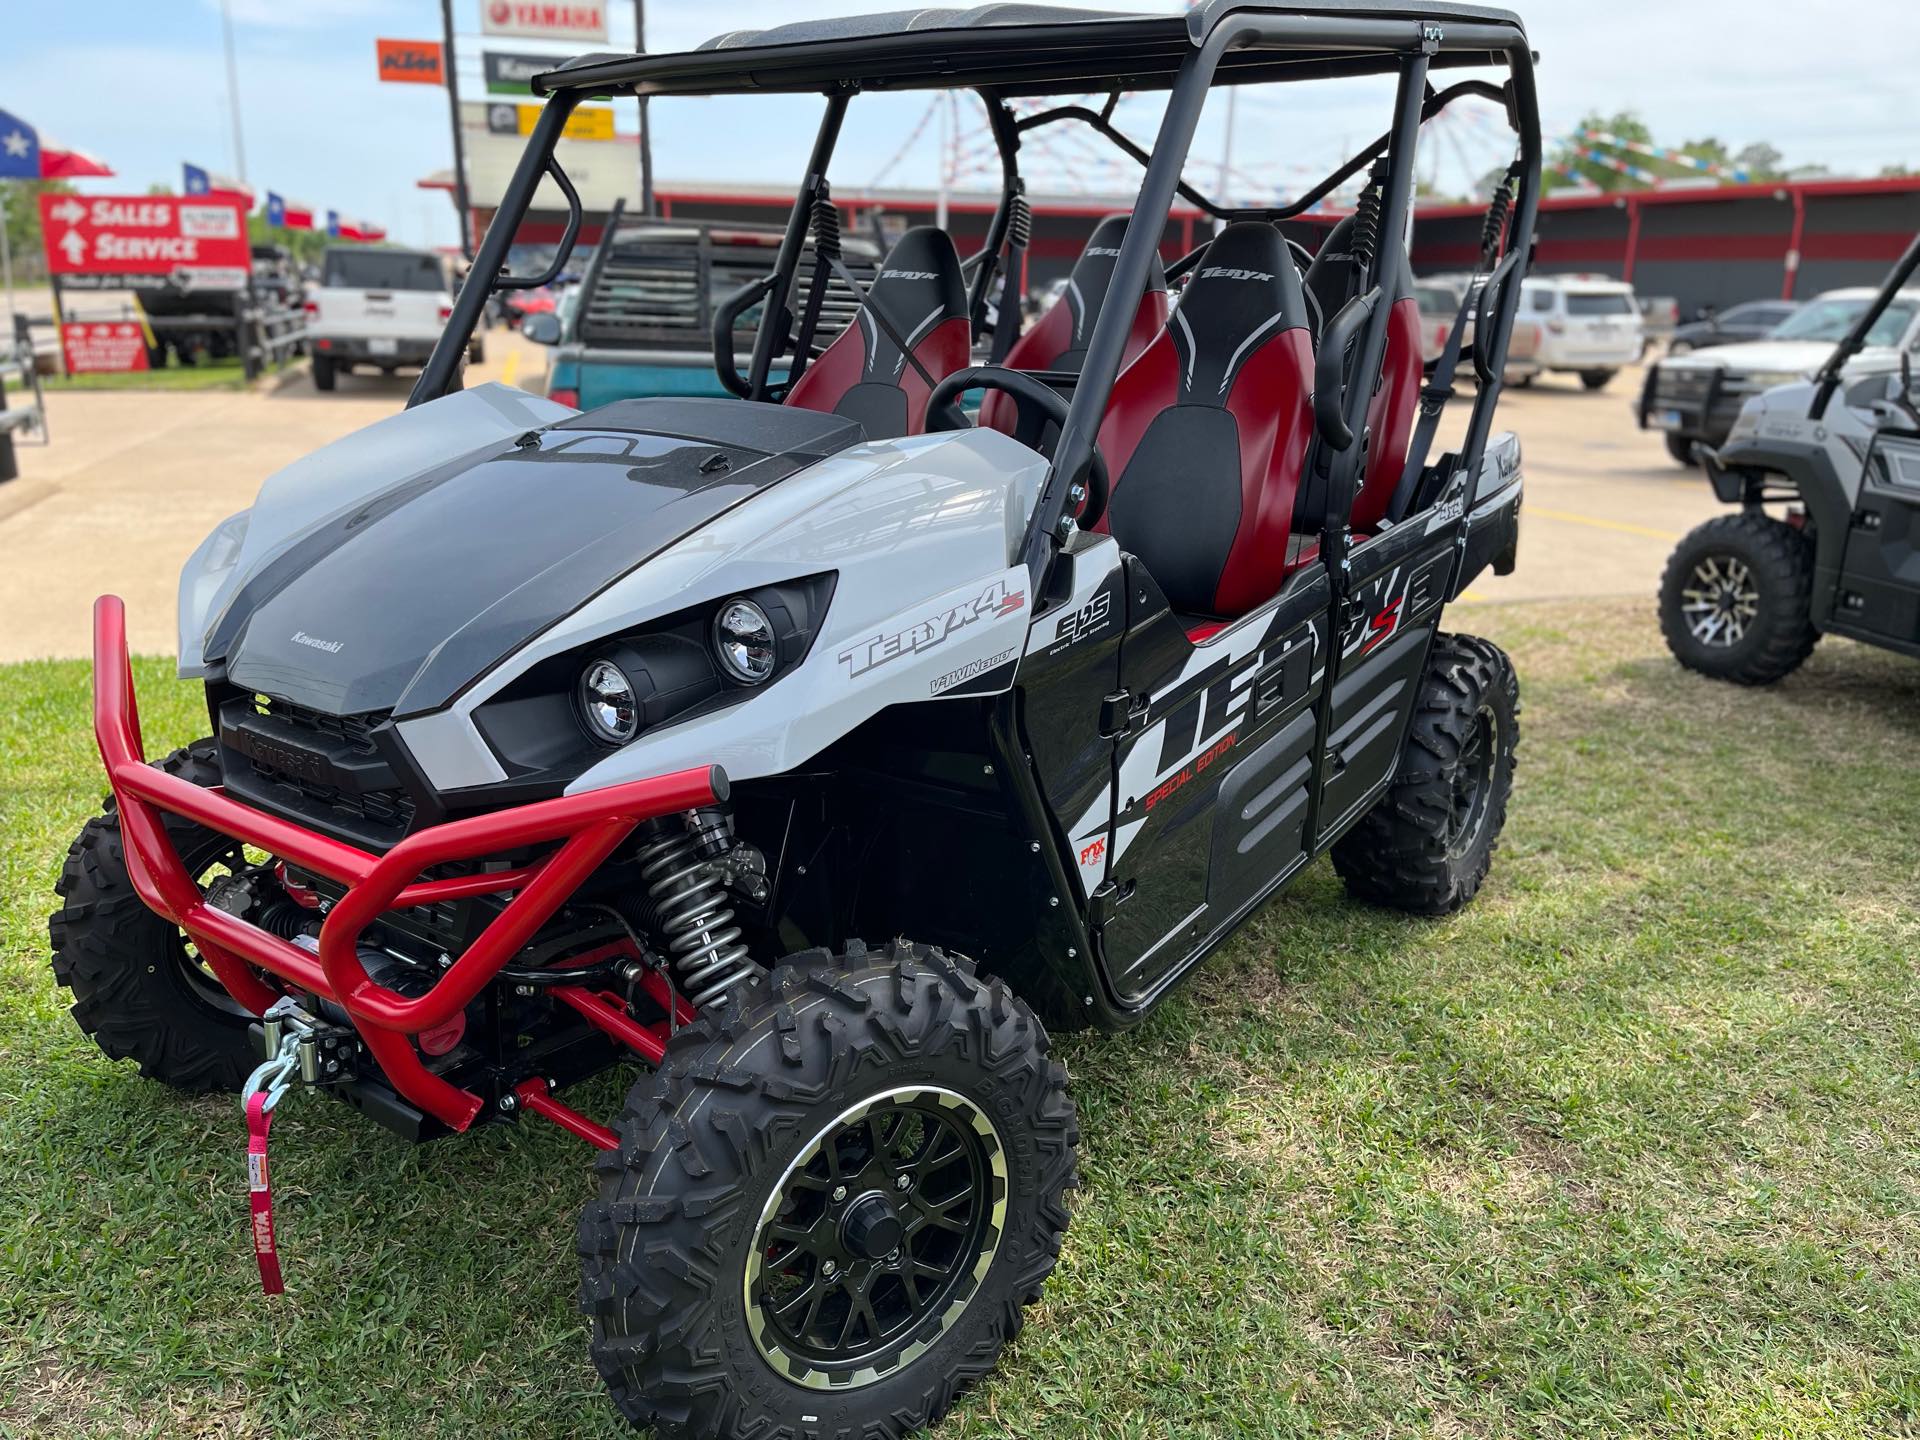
<point>144,234</point>
<point>504,118</point>
<point>544,20</point>
<point>409,62</point>
<point>114,345</point>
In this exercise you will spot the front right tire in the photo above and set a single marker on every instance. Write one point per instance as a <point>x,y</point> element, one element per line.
<point>1680,447</point>
<point>829,1204</point>
<point>1736,600</point>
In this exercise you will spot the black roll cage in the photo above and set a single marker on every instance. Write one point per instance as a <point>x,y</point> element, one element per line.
<point>1222,46</point>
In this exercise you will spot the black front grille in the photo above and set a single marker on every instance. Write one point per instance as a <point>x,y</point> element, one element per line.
<point>324,771</point>
<point>1682,387</point>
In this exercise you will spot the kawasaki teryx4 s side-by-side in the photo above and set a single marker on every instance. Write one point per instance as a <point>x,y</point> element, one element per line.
<point>1746,597</point>
<point>818,747</point>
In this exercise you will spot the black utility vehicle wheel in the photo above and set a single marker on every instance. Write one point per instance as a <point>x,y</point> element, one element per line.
<point>1426,844</point>
<point>1680,447</point>
<point>1736,598</point>
<point>477,353</point>
<point>828,1210</point>
<point>138,987</point>
<point>322,373</point>
<point>1597,379</point>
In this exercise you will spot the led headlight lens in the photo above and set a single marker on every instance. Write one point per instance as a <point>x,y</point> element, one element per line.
<point>608,704</point>
<point>743,638</point>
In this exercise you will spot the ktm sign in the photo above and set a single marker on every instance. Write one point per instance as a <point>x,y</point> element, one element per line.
<point>410,62</point>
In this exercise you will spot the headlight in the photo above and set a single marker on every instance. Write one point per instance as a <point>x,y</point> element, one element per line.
<point>744,640</point>
<point>1767,379</point>
<point>608,704</point>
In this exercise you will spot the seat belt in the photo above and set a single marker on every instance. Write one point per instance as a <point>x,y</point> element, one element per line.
<point>1438,390</point>
<point>880,319</point>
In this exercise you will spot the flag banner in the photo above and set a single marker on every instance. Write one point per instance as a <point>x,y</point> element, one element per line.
<point>196,181</point>
<point>288,214</point>
<point>27,155</point>
<point>343,227</point>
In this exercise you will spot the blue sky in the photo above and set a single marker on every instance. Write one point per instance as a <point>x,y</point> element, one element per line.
<point>142,83</point>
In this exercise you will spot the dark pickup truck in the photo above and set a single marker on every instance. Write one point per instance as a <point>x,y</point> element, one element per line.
<point>641,320</point>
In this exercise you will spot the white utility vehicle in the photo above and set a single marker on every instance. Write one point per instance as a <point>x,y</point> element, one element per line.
<point>379,307</point>
<point>1589,325</point>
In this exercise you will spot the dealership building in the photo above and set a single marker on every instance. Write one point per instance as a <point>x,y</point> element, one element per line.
<point>1700,245</point>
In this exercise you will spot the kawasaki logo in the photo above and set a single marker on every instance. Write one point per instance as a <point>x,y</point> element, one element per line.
<point>996,600</point>
<point>301,637</point>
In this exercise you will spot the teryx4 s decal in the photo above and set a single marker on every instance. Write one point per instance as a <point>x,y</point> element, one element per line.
<point>996,600</point>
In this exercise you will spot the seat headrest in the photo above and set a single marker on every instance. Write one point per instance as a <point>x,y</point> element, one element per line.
<point>921,281</point>
<point>1092,276</point>
<point>1245,290</point>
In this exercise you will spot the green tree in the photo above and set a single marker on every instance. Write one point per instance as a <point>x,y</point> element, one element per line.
<point>23,223</point>
<point>304,245</point>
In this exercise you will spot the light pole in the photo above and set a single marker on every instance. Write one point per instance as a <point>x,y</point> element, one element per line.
<point>233,93</point>
<point>646,125</point>
<point>460,197</point>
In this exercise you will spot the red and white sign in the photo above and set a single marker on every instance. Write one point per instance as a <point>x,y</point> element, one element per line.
<point>143,234</point>
<point>544,19</point>
<point>95,345</point>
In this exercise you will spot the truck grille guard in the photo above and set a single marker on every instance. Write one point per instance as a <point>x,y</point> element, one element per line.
<point>588,827</point>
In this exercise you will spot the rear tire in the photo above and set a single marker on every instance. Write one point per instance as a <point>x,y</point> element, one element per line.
<point>477,353</point>
<point>1426,844</point>
<point>1597,379</point>
<point>1737,598</point>
<point>858,1072</point>
<point>1680,447</point>
<point>322,373</point>
<point>136,989</point>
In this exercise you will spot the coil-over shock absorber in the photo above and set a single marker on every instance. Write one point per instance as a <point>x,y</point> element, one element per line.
<point>826,225</point>
<point>1365,242</point>
<point>690,908</point>
<point>1498,209</point>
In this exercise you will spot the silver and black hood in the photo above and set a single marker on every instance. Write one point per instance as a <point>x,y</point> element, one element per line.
<point>398,602</point>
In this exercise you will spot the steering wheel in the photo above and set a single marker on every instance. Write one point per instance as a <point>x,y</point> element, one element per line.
<point>1034,404</point>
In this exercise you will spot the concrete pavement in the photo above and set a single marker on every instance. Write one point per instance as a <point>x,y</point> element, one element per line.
<point>134,481</point>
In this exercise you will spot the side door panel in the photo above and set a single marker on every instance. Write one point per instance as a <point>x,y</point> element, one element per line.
<point>1071,666</point>
<point>1880,571</point>
<point>1211,777</point>
<point>1400,580</point>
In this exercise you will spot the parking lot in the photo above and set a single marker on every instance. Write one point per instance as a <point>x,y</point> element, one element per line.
<point>134,480</point>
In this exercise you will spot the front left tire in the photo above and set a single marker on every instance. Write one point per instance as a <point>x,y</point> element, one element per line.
<point>138,988</point>
<point>1597,379</point>
<point>830,1203</point>
<point>1736,600</point>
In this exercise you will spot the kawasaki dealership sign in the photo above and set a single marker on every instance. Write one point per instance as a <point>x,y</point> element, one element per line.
<point>511,72</point>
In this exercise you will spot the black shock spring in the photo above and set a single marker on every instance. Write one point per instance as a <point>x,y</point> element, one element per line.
<point>1366,218</point>
<point>826,227</point>
<point>1498,209</point>
<point>1020,223</point>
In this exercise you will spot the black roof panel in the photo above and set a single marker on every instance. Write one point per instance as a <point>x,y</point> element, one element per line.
<point>1016,47</point>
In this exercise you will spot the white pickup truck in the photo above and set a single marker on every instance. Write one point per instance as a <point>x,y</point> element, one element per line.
<point>379,307</point>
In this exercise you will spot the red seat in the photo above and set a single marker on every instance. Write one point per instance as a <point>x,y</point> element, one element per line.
<point>1058,339</point>
<point>1206,433</point>
<point>863,375</point>
<point>1333,279</point>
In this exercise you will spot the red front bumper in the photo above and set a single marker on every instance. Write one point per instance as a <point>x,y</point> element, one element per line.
<point>590,826</point>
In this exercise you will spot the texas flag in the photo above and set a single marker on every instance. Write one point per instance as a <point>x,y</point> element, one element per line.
<point>342,228</point>
<point>25,156</point>
<point>195,181</point>
<point>289,214</point>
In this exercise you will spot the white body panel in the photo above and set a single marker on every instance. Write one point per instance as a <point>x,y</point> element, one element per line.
<point>1569,338</point>
<point>897,521</point>
<point>343,313</point>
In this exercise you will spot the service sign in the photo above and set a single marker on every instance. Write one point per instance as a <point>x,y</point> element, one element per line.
<point>410,62</point>
<point>504,118</point>
<point>144,234</point>
<point>92,346</point>
<point>544,20</point>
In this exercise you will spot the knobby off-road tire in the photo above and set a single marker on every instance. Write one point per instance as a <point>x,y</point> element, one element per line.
<point>1426,844</point>
<point>136,989</point>
<point>1748,571</point>
<point>748,1125</point>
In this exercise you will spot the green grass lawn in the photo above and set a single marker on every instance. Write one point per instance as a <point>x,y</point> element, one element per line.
<point>209,375</point>
<point>1627,1148</point>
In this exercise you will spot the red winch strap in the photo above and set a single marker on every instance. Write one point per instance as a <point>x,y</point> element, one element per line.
<point>260,1194</point>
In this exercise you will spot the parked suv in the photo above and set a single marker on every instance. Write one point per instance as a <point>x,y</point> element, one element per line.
<point>379,307</point>
<point>1754,320</point>
<point>1439,297</point>
<point>1590,326</point>
<point>1696,398</point>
